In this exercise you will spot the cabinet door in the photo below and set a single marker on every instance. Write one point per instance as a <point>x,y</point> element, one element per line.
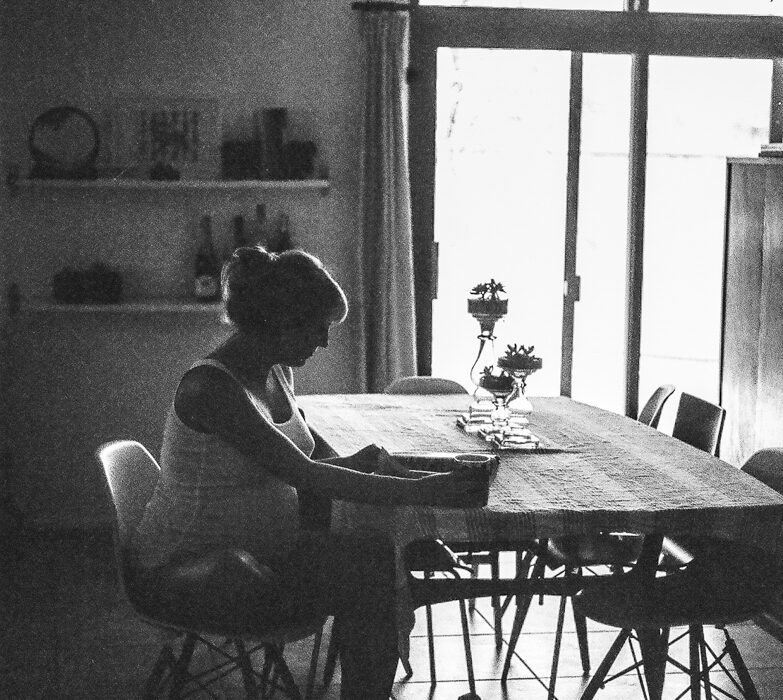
<point>742,302</point>
<point>769,409</point>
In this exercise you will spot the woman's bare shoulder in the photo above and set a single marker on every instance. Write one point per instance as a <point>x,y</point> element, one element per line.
<point>201,390</point>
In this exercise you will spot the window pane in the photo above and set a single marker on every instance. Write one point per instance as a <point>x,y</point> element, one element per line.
<point>719,7</point>
<point>502,137</point>
<point>701,110</point>
<point>615,5</point>
<point>598,375</point>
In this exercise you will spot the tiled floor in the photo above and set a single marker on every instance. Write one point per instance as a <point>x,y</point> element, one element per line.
<point>66,632</point>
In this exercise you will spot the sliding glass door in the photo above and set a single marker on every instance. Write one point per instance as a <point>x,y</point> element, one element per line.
<point>527,167</point>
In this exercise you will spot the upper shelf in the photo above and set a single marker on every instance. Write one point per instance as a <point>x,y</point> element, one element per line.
<point>175,185</point>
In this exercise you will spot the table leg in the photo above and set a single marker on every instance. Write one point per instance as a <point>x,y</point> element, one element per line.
<point>654,644</point>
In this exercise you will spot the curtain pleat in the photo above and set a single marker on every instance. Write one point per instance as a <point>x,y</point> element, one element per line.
<point>388,313</point>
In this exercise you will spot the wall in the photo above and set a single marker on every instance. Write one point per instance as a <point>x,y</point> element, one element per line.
<point>249,54</point>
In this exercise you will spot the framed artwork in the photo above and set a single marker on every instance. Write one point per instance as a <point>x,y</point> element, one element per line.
<point>166,139</point>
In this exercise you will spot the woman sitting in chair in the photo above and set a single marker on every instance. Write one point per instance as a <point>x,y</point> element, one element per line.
<point>236,454</point>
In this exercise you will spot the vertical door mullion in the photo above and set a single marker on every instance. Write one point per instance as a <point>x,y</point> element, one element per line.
<point>637,171</point>
<point>570,281</point>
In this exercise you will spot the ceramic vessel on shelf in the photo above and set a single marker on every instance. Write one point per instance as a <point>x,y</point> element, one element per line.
<point>487,308</point>
<point>519,362</point>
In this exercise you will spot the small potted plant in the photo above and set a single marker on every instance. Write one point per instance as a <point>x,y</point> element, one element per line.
<point>520,357</point>
<point>487,301</point>
<point>496,383</point>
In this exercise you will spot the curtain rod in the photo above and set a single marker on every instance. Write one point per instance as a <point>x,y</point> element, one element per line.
<point>368,6</point>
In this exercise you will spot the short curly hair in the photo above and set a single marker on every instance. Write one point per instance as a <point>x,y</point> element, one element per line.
<point>264,292</point>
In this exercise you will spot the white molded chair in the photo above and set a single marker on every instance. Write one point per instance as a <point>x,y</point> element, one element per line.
<point>131,474</point>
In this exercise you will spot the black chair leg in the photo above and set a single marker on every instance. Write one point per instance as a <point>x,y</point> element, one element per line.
<point>166,662</point>
<point>695,643</point>
<point>748,686</point>
<point>313,664</point>
<point>497,609</point>
<point>431,644</point>
<point>705,669</point>
<point>463,609</point>
<point>580,622</point>
<point>179,674</point>
<point>597,681</point>
<point>246,669</point>
<point>284,672</point>
<point>331,656</point>
<point>556,650</point>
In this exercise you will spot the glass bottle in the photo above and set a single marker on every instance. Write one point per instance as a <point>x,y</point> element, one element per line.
<point>206,266</point>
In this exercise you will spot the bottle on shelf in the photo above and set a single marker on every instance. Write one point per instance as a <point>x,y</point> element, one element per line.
<point>207,267</point>
<point>238,232</point>
<point>260,226</point>
<point>280,239</point>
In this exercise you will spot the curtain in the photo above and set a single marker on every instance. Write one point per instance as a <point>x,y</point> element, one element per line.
<point>388,313</point>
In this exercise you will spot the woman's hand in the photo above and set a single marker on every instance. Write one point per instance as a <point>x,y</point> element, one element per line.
<point>456,489</point>
<point>366,460</point>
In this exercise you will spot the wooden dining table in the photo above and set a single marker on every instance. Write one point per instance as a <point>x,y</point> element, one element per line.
<point>594,471</point>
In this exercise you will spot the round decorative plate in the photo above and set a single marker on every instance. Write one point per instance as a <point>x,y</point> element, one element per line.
<point>64,143</point>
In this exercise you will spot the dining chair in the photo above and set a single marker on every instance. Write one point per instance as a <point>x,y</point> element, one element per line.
<point>131,474</point>
<point>699,423</point>
<point>424,385</point>
<point>651,411</point>
<point>723,583</point>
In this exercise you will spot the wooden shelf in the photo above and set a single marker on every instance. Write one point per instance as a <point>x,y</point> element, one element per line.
<point>169,185</point>
<point>145,306</point>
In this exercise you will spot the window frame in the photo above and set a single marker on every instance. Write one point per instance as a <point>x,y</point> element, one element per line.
<point>634,32</point>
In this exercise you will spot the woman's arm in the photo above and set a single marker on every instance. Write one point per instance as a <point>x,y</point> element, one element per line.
<point>211,401</point>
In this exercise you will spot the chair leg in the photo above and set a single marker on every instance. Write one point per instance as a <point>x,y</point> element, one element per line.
<point>473,574</point>
<point>314,664</point>
<point>523,605</point>
<point>748,686</point>
<point>596,682</point>
<point>431,644</point>
<point>284,672</point>
<point>497,611</point>
<point>331,656</point>
<point>179,674</point>
<point>580,622</point>
<point>166,661</point>
<point>246,668</point>
<point>694,646</point>
<point>466,641</point>
<point>556,650</point>
<point>705,669</point>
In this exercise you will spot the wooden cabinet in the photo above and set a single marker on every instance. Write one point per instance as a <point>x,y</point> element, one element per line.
<point>752,348</point>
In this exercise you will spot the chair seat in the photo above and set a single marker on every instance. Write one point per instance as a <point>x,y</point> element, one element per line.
<point>725,583</point>
<point>432,556</point>
<point>609,549</point>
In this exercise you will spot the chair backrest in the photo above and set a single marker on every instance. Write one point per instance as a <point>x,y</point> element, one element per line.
<point>131,474</point>
<point>699,423</point>
<point>767,466</point>
<point>651,411</point>
<point>425,385</point>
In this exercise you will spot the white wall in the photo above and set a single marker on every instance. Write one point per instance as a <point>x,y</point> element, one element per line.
<point>71,382</point>
<point>249,54</point>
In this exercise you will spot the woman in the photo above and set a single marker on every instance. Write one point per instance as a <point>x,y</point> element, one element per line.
<point>236,450</point>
